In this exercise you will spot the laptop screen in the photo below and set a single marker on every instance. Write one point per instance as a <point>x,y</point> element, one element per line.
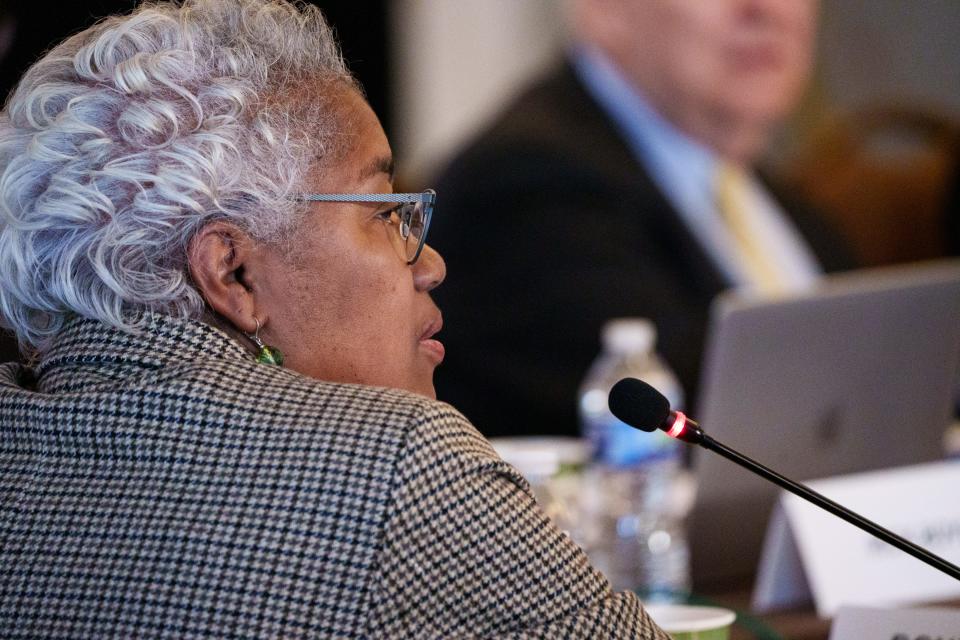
<point>859,373</point>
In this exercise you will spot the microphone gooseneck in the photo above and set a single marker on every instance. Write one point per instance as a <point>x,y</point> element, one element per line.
<point>641,406</point>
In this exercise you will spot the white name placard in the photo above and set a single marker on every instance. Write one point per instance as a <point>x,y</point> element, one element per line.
<point>809,552</point>
<point>860,623</point>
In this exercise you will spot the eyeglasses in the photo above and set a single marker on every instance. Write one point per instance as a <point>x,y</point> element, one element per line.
<point>413,209</point>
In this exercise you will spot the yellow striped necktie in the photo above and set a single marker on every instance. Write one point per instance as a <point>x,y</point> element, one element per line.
<point>732,192</point>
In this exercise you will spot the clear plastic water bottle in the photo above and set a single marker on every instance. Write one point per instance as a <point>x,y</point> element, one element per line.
<point>636,492</point>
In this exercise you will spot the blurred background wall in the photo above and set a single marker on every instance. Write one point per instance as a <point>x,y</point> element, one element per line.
<point>436,70</point>
<point>457,61</point>
<point>891,51</point>
<point>875,144</point>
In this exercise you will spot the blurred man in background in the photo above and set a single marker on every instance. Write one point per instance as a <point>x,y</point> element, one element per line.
<point>623,185</point>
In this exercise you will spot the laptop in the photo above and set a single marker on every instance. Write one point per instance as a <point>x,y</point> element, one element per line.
<point>858,373</point>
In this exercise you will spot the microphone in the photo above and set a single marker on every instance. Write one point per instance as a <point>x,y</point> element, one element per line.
<point>642,407</point>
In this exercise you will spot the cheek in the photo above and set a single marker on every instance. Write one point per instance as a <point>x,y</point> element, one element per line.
<point>374,303</point>
<point>357,300</point>
<point>348,279</point>
<point>382,334</point>
<point>696,51</point>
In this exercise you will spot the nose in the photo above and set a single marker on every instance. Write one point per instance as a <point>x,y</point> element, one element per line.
<point>429,270</point>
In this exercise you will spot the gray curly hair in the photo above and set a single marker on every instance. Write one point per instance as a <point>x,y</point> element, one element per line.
<point>127,138</point>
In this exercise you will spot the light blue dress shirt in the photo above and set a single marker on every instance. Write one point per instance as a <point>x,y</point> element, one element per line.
<point>684,170</point>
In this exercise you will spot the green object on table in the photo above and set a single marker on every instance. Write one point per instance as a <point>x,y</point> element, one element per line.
<point>692,622</point>
<point>756,627</point>
<point>745,620</point>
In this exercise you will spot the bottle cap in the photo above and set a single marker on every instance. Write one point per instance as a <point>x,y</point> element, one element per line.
<point>629,335</point>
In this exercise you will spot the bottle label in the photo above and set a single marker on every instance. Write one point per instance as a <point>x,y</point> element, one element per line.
<point>620,445</point>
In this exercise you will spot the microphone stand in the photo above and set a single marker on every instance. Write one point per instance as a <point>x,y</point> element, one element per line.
<point>825,503</point>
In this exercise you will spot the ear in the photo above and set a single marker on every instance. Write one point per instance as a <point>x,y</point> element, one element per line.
<point>218,258</point>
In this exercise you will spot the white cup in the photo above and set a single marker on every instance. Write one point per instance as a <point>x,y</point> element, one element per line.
<point>687,622</point>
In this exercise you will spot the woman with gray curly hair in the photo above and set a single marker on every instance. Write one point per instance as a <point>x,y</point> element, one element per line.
<point>227,425</point>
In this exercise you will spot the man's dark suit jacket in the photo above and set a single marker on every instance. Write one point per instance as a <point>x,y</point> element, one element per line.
<point>550,227</point>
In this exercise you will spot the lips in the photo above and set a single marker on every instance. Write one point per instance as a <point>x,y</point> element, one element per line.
<point>758,57</point>
<point>432,328</point>
<point>434,347</point>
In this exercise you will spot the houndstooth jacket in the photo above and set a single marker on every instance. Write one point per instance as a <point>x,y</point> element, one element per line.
<point>164,485</point>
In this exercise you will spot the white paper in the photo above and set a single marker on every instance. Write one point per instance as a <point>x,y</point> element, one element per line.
<point>857,623</point>
<point>846,566</point>
<point>781,581</point>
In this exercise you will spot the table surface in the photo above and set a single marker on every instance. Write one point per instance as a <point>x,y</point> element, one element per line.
<point>798,624</point>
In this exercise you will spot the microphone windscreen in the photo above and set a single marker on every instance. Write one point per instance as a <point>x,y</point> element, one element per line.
<point>638,404</point>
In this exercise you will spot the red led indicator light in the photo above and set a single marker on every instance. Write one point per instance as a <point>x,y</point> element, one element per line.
<point>678,424</point>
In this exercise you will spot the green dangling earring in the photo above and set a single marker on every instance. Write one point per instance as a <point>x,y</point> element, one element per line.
<point>265,354</point>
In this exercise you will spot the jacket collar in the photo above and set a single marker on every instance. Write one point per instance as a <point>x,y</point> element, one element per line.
<point>89,351</point>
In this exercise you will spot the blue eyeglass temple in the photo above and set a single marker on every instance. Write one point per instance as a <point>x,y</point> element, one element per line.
<point>427,197</point>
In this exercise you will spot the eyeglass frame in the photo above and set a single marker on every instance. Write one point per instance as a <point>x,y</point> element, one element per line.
<point>427,198</point>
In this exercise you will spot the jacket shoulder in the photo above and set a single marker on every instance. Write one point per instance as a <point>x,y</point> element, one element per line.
<point>286,398</point>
